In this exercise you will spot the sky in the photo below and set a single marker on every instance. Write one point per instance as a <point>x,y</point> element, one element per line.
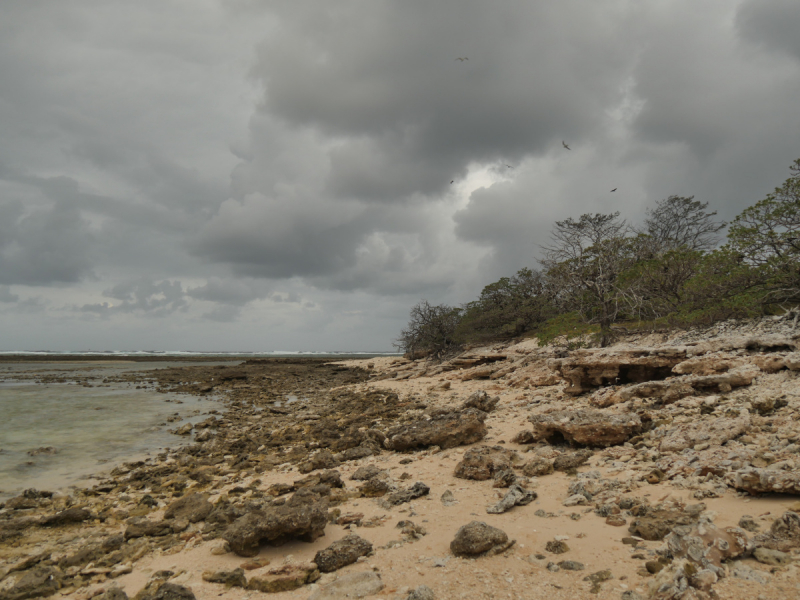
<point>266,175</point>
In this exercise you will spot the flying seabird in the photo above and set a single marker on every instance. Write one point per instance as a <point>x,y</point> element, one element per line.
<point>563,143</point>
<point>509,166</point>
<point>452,181</point>
<point>462,59</point>
<point>614,190</point>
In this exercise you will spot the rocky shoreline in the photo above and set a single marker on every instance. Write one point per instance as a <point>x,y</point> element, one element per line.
<point>665,466</point>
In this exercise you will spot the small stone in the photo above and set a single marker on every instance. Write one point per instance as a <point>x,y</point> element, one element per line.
<point>571,565</point>
<point>616,520</point>
<point>349,586</point>
<point>233,578</point>
<point>478,538</point>
<point>423,592</point>
<point>575,500</point>
<point>772,557</point>
<point>748,523</point>
<point>556,547</point>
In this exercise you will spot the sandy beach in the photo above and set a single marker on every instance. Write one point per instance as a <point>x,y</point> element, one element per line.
<point>600,467</point>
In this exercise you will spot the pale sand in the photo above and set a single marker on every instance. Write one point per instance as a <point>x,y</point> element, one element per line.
<point>515,574</point>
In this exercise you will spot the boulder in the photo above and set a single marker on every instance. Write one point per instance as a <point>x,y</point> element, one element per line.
<point>478,539</point>
<point>276,525</point>
<point>192,507</point>
<point>342,552</point>
<point>482,463</point>
<point>446,430</point>
<point>285,578</point>
<point>585,427</point>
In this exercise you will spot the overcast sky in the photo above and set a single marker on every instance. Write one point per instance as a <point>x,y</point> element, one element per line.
<point>276,175</point>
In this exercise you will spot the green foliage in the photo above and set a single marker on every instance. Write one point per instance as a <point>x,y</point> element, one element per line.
<point>598,272</point>
<point>506,308</point>
<point>571,328</point>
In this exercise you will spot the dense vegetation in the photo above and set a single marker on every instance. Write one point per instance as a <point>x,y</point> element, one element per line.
<point>599,274</point>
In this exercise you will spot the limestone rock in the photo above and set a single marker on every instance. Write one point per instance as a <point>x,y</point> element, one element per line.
<point>349,586</point>
<point>760,481</point>
<point>276,525</point>
<point>38,582</point>
<point>706,544</point>
<point>586,427</point>
<point>484,462</point>
<point>537,467</point>
<point>321,460</point>
<point>482,401</point>
<point>772,557</point>
<point>571,460</point>
<point>342,552</point>
<point>712,431</point>
<point>285,578</point>
<point>366,472</point>
<point>691,385</point>
<point>70,515</point>
<point>783,535</point>
<point>141,527</point>
<point>423,592</point>
<point>477,538</point>
<point>192,507</point>
<point>586,370</point>
<point>407,495</point>
<point>447,430</point>
<point>516,496</point>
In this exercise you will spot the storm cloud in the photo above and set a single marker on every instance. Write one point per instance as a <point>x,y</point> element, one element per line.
<point>256,174</point>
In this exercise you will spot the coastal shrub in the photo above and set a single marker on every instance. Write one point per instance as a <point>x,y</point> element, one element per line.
<point>430,331</point>
<point>601,275</point>
<point>507,308</point>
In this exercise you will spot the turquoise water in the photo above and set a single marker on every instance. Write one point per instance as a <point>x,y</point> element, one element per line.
<point>91,428</point>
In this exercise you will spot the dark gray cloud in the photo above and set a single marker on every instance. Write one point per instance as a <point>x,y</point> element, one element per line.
<point>244,166</point>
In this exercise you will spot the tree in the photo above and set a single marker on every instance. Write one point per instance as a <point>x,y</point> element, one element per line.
<point>430,331</point>
<point>507,308</point>
<point>584,262</point>
<point>766,236</point>
<point>680,222</point>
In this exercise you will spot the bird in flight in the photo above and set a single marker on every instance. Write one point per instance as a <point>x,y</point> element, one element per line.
<point>509,166</point>
<point>462,59</point>
<point>563,143</point>
<point>614,190</point>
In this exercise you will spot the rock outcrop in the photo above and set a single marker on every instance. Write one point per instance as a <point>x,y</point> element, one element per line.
<point>446,430</point>
<point>587,427</point>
